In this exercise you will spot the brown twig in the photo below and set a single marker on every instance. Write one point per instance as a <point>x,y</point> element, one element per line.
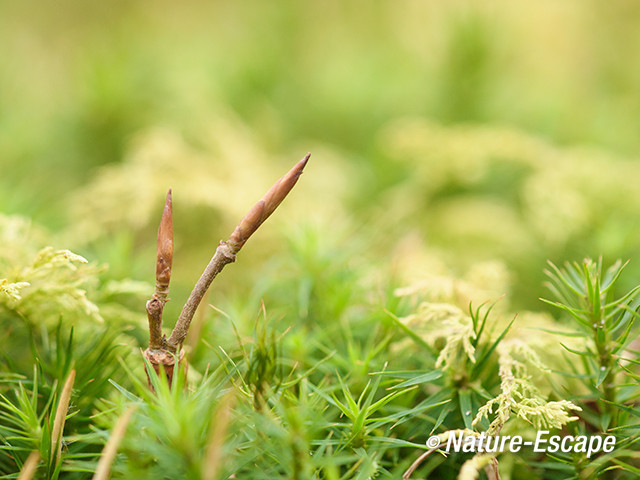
<point>226,251</point>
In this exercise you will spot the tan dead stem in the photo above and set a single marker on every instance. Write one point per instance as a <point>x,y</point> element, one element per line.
<point>30,466</point>
<point>111,448</point>
<point>60,418</point>
<point>213,456</point>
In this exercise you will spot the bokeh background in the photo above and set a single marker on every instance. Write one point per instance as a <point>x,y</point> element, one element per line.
<point>471,140</point>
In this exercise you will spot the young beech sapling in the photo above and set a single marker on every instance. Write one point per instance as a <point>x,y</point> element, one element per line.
<point>164,352</point>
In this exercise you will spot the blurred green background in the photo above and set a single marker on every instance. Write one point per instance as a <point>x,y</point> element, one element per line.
<point>444,135</point>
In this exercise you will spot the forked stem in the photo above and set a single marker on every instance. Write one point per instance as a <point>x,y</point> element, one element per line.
<point>226,251</point>
<point>167,352</point>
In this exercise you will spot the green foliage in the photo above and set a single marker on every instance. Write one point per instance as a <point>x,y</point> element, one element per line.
<point>605,362</point>
<point>338,384</point>
<point>170,428</point>
<point>58,317</point>
<point>381,373</point>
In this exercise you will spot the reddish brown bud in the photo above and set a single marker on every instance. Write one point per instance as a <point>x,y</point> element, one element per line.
<point>265,207</point>
<point>163,275</point>
<point>165,248</point>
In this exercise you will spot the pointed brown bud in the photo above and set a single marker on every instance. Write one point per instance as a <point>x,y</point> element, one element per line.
<point>165,249</point>
<point>265,207</point>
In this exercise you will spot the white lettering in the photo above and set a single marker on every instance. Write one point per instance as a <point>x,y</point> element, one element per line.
<point>593,449</point>
<point>516,444</point>
<point>609,444</point>
<point>538,445</point>
<point>455,441</point>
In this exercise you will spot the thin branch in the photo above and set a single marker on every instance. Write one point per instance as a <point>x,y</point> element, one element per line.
<point>226,251</point>
<point>164,261</point>
<point>222,257</point>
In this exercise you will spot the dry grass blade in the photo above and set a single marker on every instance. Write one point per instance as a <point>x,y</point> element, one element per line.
<point>111,448</point>
<point>60,418</point>
<point>212,459</point>
<point>492,470</point>
<point>30,466</point>
<point>414,466</point>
